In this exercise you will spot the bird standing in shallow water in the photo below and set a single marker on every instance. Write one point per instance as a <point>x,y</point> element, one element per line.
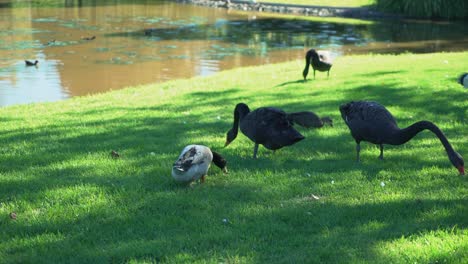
<point>193,163</point>
<point>268,126</point>
<point>318,62</point>
<point>372,122</point>
<point>30,63</point>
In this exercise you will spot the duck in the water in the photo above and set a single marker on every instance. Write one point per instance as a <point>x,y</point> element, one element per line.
<point>193,163</point>
<point>88,38</point>
<point>30,63</point>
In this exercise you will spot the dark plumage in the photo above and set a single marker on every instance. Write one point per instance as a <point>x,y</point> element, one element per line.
<point>463,80</point>
<point>88,38</point>
<point>193,163</point>
<point>309,119</point>
<point>268,126</point>
<point>372,122</point>
<point>30,63</point>
<point>114,154</point>
<point>319,63</point>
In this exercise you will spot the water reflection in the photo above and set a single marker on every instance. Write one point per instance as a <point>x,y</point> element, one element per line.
<point>32,84</point>
<point>144,42</point>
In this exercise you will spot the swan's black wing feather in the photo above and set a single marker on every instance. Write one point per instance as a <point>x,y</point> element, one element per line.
<point>305,119</point>
<point>368,121</point>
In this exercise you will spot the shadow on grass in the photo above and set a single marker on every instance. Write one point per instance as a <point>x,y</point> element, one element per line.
<point>321,231</point>
<point>379,73</point>
<point>291,82</point>
<point>145,215</point>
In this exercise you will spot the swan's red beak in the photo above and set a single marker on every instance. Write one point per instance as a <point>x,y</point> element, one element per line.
<point>461,169</point>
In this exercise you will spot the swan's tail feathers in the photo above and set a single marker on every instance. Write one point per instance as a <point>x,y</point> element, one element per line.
<point>305,119</point>
<point>463,80</point>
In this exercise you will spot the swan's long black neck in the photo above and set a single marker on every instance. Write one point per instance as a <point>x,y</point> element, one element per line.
<point>310,55</point>
<point>306,68</point>
<point>402,136</point>
<point>240,112</point>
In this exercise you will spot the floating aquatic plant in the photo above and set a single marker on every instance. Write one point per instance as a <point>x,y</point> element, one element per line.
<point>130,53</point>
<point>45,20</point>
<point>102,49</point>
<point>178,57</point>
<point>22,45</point>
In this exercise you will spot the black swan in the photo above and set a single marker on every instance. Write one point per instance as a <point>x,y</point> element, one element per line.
<point>30,63</point>
<point>193,163</point>
<point>269,126</point>
<point>372,122</point>
<point>309,119</point>
<point>463,80</point>
<point>318,63</point>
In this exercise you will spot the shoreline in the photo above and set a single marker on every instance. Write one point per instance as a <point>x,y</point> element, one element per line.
<point>304,10</point>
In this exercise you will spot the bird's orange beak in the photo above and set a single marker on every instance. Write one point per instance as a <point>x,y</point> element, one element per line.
<point>461,169</point>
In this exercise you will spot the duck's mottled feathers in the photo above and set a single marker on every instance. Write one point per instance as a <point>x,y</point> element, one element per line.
<point>194,162</point>
<point>188,159</point>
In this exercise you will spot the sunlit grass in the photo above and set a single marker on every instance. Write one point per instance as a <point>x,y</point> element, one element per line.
<point>308,203</point>
<point>340,3</point>
<point>351,21</point>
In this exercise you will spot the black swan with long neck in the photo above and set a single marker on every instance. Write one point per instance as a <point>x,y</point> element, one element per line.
<point>372,122</point>
<point>318,63</point>
<point>268,126</point>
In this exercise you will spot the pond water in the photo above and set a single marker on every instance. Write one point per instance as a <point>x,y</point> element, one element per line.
<point>139,43</point>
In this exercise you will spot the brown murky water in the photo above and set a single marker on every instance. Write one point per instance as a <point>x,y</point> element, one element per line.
<point>144,43</point>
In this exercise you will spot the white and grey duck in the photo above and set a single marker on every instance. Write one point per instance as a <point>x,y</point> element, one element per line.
<point>193,163</point>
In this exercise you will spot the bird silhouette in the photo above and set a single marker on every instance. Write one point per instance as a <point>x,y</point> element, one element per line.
<point>88,38</point>
<point>30,63</point>
<point>267,126</point>
<point>193,163</point>
<point>318,62</point>
<point>309,119</point>
<point>372,122</point>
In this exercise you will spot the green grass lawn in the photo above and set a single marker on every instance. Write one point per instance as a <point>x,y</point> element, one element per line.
<point>74,203</point>
<point>341,3</point>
